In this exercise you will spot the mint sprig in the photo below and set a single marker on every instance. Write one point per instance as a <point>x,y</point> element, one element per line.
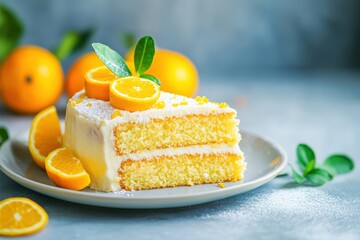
<point>305,157</point>
<point>3,135</point>
<point>144,55</point>
<point>313,175</point>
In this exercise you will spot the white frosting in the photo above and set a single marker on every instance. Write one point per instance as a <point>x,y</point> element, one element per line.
<point>101,111</point>
<point>89,132</point>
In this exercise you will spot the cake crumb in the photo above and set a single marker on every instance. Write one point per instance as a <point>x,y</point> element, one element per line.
<point>223,105</point>
<point>160,105</point>
<point>183,103</point>
<point>115,114</point>
<point>175,104</point>
<point>221,185</point>
<point>89,104</point>
<point>73,102</point>
<point>201,100</point>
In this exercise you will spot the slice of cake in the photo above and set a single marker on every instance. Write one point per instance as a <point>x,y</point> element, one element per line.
<point>179,141</point>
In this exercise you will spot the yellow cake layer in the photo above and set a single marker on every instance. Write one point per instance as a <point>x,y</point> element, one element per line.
<point>181,170</point>
<point>176,132</point>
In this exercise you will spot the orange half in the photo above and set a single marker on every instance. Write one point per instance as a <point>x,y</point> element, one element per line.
<point>97,82</point>
<point>133,94</point>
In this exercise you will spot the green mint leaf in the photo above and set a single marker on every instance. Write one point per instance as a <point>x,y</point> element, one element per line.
<point>151,78</point>
<point>304,155</point>
<point>128,39</point>
<point>72,42</point>
<point>144,54</point>
<point>318,176</point>
<point>310,166</point>
<point>297,177</point>
<point>3,135</point>
<point>112,60</point>
<point>11,30</point>
<point>338,164</point>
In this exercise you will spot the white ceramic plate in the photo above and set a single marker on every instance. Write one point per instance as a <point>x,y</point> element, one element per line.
<point>265,161</point>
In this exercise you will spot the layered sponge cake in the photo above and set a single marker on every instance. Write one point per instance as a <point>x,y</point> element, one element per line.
<point>179,141</point>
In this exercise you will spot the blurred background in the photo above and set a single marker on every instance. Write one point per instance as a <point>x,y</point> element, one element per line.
<point>221,37</point>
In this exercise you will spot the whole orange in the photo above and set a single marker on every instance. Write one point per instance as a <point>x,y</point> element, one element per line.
<point>32,79</point>
<point>75,76</point>
<point>175,71</point>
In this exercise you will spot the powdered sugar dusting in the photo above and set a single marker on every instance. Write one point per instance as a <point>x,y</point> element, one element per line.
<point>100,110</point>
<point>304,201</point>
<point>301,207</point>
<point>174,105</point>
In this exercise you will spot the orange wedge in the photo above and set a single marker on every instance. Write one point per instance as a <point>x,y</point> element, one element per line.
<point>97,82</point>
<point>45,135</point>
<point>133,94</point>
<point>66,170</point>
<point>21,216</point>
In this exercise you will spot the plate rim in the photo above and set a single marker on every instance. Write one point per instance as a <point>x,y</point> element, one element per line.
<point>70,194</point>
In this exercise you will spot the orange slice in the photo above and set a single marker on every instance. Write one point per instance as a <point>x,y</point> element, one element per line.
<point>21,216</point>
<point>133,94</point>
<point>97,82</point>
<point>66,170</point>
<point>45,135</point>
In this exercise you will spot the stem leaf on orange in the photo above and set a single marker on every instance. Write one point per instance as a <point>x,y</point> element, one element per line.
<point>112,60</point>
<point>151,78</point>
<point>144,54</point>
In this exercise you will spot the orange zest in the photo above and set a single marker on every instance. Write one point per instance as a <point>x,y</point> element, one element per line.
<point>66,170</point>
<point>45,135</point>
<point>97,82</point>
<point>21,216</point>
<point>133,94</point>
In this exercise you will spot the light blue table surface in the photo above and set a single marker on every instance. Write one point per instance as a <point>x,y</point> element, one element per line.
<point>321,109</point>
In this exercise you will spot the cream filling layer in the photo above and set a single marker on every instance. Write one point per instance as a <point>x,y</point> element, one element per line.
<point>191,150</point>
